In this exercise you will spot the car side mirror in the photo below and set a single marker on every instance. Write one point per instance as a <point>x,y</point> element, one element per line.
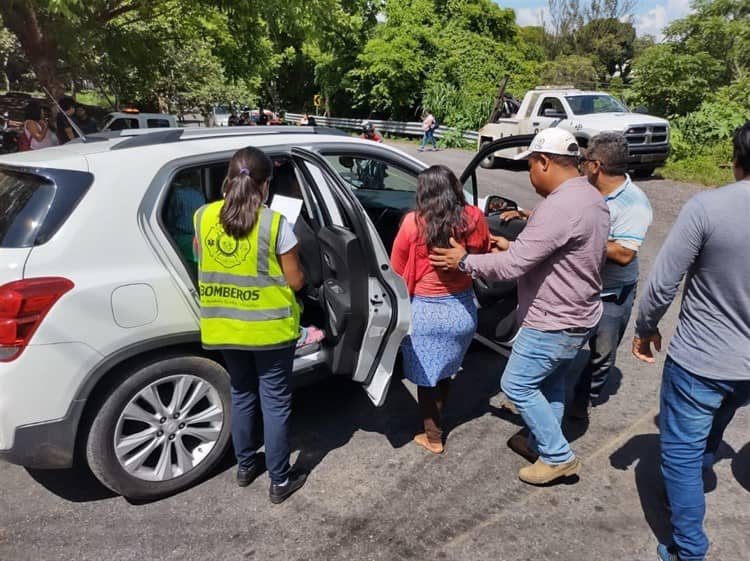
<point>554,113</point>
<point>642,109</point>
<point>497,204</point>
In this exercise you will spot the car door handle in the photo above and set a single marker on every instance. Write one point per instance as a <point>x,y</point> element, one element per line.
<point>535,124</point>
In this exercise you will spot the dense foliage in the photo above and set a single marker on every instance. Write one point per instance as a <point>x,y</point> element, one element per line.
<point>700,78</point>
<point>383,58</point>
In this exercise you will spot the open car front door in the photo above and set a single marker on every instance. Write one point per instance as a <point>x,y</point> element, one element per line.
<point>497,322</point>
<point>469,176</point>
<point>367,303</point>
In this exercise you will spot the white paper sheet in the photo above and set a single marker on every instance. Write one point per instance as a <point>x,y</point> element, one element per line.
<point>288,206</point>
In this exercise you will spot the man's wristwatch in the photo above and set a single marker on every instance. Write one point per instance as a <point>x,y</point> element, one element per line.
<point>462,263</point>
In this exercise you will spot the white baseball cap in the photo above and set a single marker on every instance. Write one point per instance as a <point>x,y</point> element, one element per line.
<point>552,141</point>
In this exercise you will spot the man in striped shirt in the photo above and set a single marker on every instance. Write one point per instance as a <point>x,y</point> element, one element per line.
<point>605,164</point>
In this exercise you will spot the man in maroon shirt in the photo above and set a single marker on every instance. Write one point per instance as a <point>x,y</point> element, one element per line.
<point>557,260</point>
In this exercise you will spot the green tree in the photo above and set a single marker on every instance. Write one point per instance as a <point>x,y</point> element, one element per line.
<point>610,42</point>
<point>445,55</point>
<point>575,70</point>
<point>8,46</point>
<point>719,28</point>
<point>670,82</point>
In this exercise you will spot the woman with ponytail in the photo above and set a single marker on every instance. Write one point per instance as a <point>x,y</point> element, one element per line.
<point>248,272</point>
<point>444,316</point>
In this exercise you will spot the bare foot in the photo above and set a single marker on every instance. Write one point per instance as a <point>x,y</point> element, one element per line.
<point>434,447</point>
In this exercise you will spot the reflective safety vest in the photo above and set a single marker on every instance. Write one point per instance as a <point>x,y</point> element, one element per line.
<point>246,302</point>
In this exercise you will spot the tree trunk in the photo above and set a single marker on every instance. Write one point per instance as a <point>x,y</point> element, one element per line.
<point>40,48</point>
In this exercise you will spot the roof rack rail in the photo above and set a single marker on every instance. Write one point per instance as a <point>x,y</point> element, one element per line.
<point>148,137</point>
<point>161,136</point>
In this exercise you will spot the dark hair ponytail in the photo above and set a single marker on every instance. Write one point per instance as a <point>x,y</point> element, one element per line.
<point>244,191</point>
<point>440,206</point>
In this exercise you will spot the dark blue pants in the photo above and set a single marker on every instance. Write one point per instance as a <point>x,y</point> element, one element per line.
<point>260,384</point>
<point>694,413</point>
<point>603,344</point>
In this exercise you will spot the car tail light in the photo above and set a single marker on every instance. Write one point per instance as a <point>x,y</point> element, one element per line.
<point>23,305</point>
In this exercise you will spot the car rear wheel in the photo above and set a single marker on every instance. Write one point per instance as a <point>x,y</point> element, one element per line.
<point>162,429</point>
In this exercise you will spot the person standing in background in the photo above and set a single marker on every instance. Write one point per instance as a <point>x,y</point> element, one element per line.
<point>36,129</point>
<point>428,126</point>
<point>65,131</point>
<point>84,121</point>
<point>706,376</point>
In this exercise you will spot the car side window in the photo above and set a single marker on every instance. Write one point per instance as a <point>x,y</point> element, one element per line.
<point>185,196</point>
<point>371,174</point>
<point>157,123</point>
<point>551,103</point>
<point>123,124</point>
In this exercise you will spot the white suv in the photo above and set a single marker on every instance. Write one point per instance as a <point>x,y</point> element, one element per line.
<point>100,355</point>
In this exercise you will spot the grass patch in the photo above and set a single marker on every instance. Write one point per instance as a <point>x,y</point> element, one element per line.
<point>707,165</point>
<point>701,169</point>
<point>90,97</point>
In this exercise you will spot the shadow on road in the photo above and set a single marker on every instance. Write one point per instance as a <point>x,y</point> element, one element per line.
<point>741,466</point>
<point>77,484</point>
<point>643,451</point>
<point>327,415</point>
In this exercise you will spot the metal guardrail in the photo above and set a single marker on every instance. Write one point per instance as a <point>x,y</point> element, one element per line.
<point>395,127</point>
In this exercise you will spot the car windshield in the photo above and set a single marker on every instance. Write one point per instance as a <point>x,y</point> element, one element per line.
<point>222,110</point>
<point>594,103</point>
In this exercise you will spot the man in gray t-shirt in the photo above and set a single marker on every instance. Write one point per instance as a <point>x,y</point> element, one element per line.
<point>707,370</point>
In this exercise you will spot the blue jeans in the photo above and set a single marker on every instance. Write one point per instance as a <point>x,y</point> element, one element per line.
<point>603,345</point>
<point>429,134</point>
<point>694,413</point>
<point>261,376</point>
<point>534,380</point>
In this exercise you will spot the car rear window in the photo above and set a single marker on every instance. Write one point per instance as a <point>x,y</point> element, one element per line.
<point>33,207</point>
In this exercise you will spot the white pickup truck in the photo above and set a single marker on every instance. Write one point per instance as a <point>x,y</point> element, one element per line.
<point>585,114</point>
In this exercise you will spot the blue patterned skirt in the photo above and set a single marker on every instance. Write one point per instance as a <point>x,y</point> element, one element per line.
<point>442,328</point>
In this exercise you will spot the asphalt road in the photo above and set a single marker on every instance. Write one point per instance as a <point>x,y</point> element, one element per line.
<point>374,495</point>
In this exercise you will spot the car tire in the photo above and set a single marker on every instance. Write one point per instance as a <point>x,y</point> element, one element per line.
<point>491,161</point>
<point>139,444</point>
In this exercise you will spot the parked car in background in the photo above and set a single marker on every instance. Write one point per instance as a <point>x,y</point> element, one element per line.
<point>134,119</point>
<point>100,354</point>
<point>219,116</point>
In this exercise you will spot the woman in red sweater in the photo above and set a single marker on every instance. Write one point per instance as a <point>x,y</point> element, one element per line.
<point>444,315</point>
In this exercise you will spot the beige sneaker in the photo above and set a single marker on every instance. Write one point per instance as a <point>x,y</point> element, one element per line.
<point>540,473</point>
<point>510,407</point>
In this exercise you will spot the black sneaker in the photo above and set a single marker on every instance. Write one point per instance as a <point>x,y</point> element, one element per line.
<point>279,493</point>
<point>245,476</point>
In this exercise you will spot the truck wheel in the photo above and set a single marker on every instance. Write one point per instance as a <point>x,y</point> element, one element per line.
<point>643,173</point>
<point>162,429</point>
<point>490,162</point>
